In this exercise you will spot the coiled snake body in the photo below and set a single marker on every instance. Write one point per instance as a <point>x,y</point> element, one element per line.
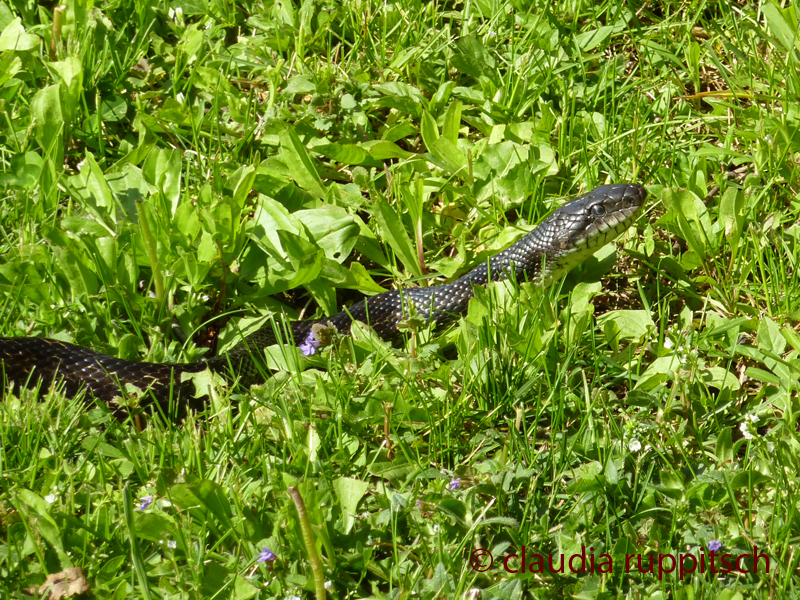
<point>564,239</point>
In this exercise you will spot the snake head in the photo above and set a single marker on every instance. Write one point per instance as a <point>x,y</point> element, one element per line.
<point>596,218</point>
<point>579,228</point>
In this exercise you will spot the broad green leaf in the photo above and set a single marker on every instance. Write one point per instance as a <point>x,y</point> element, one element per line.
<point>385,150</point>
<point>587,478</point>
<point>350,492</point>
<point>91,186</point>
<point>452,122</point>
<point>303,170</point>
<point>243,589</point>
<point>157,527</point>
<point>769,337</point>
<point>630,324</point>
<point>724,447</point>
<point>80,275</point>
<point>300,84</point>
<point>271,218</point>
<point>413,197</point>
<point>395,471</point>
<point>69,74</point>
<point>441,96</point>
<point>10,65</point>
<point>113,109</point>
<point>360,279</point>
<point>660,370</point>
<point>24,171</point>
<point>472,58</point>
<point>693,219</point>
<point>589,40</point>
<point>14,37</point>
<point>243,179</point>
<point>748,479</point>
<point>191,42</point>
<point>273,281</point>
<point>129,187</point>
<point>720,378</point>
<point>429,130</point>
<point>84,227</point>
<point>730,213</point>
<point>347,154</point>
<point>213,497</point>
<point>778,25</point>
<point>611,473</point>
<point>399,131</point>
<point>448,152</point>
<point>407,105</point>
<point>48,122</point>
<point>396,236</point>
<point>332,228</point>
<point>163,169</point>
<point>792,337</point>
<point>581,308</point>
<point>44,523</point>
<point>498,159</point>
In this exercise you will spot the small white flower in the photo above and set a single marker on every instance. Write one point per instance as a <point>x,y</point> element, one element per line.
<point>668,343</point>
<point>753,418</point>
<point>328,584</point>
<point>180,97</point>
<point>436,528</point>
<point>770,447</point>
<point>634,445</point>
<point>50,498</point>
<point>172,544</point>
<point>745,431</point>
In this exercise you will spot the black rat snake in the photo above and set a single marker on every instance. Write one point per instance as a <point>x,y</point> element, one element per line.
<point>564,239</point>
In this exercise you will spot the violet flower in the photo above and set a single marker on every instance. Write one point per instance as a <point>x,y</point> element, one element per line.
<point>266,555</point>
<point>310,345</point>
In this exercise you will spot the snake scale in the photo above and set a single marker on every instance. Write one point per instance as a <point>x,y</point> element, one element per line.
<point>561,241</point>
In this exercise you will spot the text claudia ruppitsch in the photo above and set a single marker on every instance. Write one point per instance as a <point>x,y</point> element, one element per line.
<point>525,561</point>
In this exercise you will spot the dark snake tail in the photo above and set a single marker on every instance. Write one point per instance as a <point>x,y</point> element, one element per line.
<point>566,238</point>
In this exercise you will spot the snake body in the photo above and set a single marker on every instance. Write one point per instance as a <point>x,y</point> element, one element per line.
<point>561,241</point>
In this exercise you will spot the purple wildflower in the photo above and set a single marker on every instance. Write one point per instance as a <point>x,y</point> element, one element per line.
<point>454,484</point>
<point>310,345</point>
<point>145,502</point>
<point>714,545</point>
<point>266,555</point>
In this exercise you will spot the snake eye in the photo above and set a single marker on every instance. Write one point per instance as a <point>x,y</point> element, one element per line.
<point>598,210</point>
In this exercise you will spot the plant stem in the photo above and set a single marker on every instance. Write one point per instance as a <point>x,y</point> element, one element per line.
<point>308,539</point>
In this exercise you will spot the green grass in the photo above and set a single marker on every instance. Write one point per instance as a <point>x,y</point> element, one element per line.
<point>293,157</point>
